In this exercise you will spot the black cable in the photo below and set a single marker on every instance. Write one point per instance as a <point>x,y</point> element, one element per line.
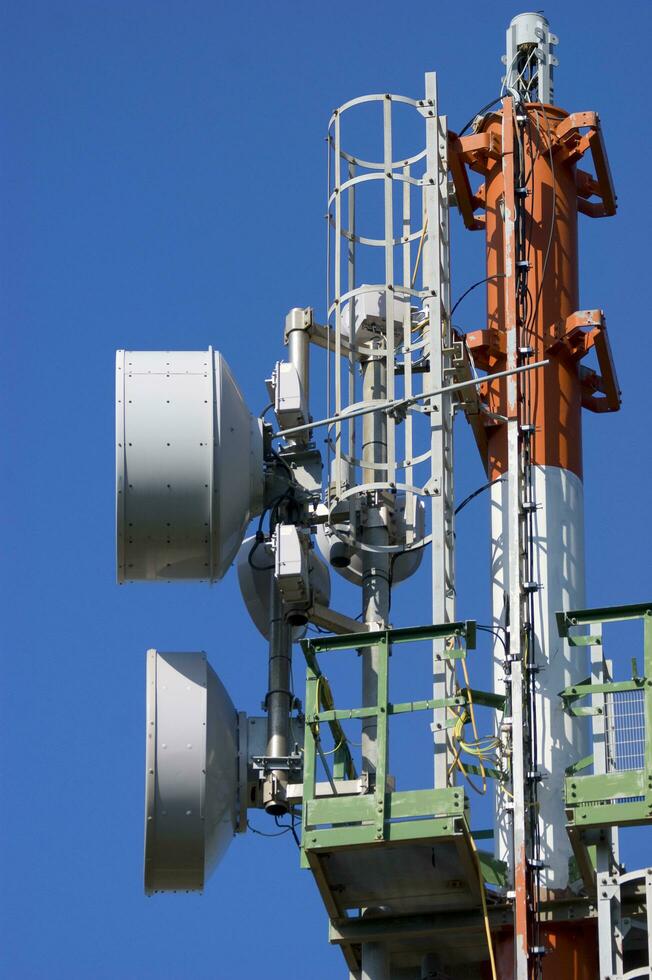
<point>290,827</point>
<point>274,507</point>
<point>481,112</point>
<point>265,410</point>
<point>390,575</point>
<point>527,321</point>
<point>259,539</point>
<point>498,275</point>
<point>260,536</point>
<point>476,493</point>
<point>553,222</point>
<point>262,833</point>
<point>496,632</point>
<point>283,463</point>
<point>296,836</point>
<point>530,179</point>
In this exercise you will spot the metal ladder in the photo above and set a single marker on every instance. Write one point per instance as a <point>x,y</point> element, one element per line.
<point>437,281</point>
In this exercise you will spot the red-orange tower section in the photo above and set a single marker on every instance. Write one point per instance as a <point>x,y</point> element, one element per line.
<point>551,227</point>
<point>555,190</point>
<point>551,191</point>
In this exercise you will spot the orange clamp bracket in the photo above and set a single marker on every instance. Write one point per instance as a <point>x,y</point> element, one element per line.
<point>577,341</point>
<point>460,152</point>
<point>488,349</point>
<point>572,144</point>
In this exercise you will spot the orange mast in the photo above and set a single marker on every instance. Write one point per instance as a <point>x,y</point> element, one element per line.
<point>527,153</point>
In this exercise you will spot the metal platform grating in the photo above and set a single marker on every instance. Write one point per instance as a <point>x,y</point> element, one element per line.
<point>626,721</point>
<point>626,734</point>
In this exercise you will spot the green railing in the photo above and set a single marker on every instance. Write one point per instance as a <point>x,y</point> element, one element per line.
<point>378,814</point>
<point>619,792</point>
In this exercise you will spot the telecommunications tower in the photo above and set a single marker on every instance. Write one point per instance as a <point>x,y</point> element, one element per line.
<point>367,492</point>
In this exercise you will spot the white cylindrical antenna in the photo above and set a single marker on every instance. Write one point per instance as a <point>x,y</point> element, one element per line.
<point>529,60</point>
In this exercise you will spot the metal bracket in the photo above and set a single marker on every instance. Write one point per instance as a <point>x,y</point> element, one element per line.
<point>582,332</point>
<point>570,142</point>
<point>269,763</point>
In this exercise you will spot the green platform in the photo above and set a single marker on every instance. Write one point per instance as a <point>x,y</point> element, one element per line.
<point>384,859</point>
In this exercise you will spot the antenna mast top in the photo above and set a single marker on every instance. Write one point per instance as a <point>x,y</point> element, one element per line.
<point>529,59</point>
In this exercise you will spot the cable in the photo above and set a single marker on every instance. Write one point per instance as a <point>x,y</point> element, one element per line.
<point>480,747</point>
<point>283,463</point>
<point>485,913</point>
<point>262,833</point>
<point>481,112</point>
<point>495,632</point>
<point>476,493</point>
<point>527,320</point>
<point>274,508</point>
<point>498,275</point>
<point>553,223</point>
<point>390,577</point>
<point>519,77</point>
<point>265,410</point>
<point>259,539</point>
<point>419,250</point>
<point>260,536</point>
<point>290,827</point>
<point>339,745</point>
<point>461,723</point>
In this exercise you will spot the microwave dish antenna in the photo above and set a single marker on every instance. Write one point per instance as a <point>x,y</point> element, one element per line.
<point>189,466</point>
<point>195,779</point>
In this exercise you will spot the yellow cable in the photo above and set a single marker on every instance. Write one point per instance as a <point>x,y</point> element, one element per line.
<point>480,747</point>
<point>480,757</point>
<point>457,762</point>
<point>468,689</point>
<point>485,913</point>
<point>338,746</point>
<point>343,737</point>
<point>418,259</point>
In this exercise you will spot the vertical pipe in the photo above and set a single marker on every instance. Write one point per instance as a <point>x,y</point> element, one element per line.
<point>279,701</point>
<point>337,365</point>
<point>390,424</point>
<point>375,598</point>
<point>514,526</point>
<point>351,260</point>
<point>410,501</point>
<point>375,565</point>
<point>298,342</point>
<point>374,962</point>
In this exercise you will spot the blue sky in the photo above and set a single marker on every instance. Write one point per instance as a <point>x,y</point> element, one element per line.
<point>163,186</point>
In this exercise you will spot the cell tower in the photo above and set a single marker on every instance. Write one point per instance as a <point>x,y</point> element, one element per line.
<point>408,892</point>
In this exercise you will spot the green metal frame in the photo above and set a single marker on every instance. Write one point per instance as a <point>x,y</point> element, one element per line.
<point>380,815</point>
<point>603,800</point>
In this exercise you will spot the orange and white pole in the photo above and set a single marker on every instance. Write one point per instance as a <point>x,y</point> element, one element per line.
<point>533,190</point>
<point>549,409</point>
